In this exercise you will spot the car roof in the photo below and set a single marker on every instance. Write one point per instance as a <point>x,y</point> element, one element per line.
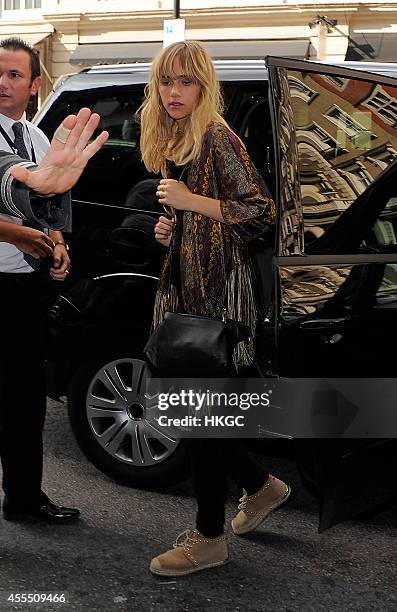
<point>125,74</point>
<point>228,70</point>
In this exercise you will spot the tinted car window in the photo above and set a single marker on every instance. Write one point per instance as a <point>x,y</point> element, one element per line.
<point>382,236</point>
<point>247,111</point>
<point>346,136</point>
<point>117,168</point>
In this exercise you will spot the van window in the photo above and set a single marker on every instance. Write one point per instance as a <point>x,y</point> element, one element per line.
<point>346,136</point>
<point>117,166</point>
<point>115,170</point>
<point>382,237</point>
<point>247,112</point>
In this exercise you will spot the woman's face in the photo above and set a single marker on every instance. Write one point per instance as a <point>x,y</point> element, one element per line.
<point>179,95</point>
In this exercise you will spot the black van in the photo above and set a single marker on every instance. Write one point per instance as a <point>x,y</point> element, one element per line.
<point>325,140</point>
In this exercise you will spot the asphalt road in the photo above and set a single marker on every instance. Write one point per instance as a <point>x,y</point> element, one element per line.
<point>101,562</point>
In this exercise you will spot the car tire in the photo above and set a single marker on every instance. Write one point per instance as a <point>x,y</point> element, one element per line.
<point>140,460</point>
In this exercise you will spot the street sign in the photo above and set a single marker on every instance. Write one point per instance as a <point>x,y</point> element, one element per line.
<point>174,31</point>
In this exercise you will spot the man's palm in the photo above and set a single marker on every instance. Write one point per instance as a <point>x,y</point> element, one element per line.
<point>57,172</point>
<point>64,163</point>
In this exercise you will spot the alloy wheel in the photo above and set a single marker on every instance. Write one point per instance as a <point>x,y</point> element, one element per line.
<point>121,414</point>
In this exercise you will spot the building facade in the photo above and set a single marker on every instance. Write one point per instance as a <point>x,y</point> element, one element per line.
<point>70,34</point>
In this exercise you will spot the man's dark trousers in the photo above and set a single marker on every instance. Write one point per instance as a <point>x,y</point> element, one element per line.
<point>22,386</point>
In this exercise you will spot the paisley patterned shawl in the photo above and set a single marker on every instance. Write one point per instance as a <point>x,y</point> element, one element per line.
<point>215,271</point>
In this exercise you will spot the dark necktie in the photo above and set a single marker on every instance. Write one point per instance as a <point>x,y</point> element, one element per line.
<point>19,142</point>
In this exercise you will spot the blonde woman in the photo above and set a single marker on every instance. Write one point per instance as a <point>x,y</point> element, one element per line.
<point>221,204</point>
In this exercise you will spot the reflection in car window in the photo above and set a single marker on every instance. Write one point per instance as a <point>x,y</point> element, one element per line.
<point>382,237</point>
<point>387,291</point>
<point>385,228</point>
<point>383,234</point>
<point>346,136</point>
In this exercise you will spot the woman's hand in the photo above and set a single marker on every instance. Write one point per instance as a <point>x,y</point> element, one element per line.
<point>67,156</point>
<point>163,231</point>
<point>175,193</point>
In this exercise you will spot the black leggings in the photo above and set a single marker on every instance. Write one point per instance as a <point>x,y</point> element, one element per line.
<point>212,461</point>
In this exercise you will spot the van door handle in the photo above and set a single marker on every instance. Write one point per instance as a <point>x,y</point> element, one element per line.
<point>329,330</point>
<point>324,325</point>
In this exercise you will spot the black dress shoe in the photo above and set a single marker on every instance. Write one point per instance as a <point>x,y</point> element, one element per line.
<point>47,512</point>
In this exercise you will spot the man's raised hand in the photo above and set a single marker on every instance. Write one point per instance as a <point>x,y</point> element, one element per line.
<point>67,156</point>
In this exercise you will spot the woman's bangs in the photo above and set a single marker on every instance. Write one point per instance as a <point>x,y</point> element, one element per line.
<point>166,67</point>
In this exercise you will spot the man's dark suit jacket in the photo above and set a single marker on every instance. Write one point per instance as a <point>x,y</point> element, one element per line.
<point>17,200</point>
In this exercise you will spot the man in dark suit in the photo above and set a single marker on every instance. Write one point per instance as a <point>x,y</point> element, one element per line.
<point>34,208</point>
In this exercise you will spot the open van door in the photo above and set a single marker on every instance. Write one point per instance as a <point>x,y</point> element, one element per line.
<point>336,138</point>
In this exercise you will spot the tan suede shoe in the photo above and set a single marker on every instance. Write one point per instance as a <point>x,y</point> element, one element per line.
<point>254,509</point>
<point>192,552</point>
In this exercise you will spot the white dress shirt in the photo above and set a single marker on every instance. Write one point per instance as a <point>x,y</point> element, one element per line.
<point>11,258</point>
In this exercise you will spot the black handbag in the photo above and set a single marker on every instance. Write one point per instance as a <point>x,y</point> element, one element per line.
<point>186,345</point>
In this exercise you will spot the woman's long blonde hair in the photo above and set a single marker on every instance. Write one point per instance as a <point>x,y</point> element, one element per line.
<point>159,137</point>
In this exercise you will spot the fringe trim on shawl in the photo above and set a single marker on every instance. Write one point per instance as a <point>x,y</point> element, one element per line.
<point>163,303</point>
<point>241,306</point>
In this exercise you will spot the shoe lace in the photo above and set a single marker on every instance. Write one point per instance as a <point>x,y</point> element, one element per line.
<point>185,539</point>
<point>243,502</point>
